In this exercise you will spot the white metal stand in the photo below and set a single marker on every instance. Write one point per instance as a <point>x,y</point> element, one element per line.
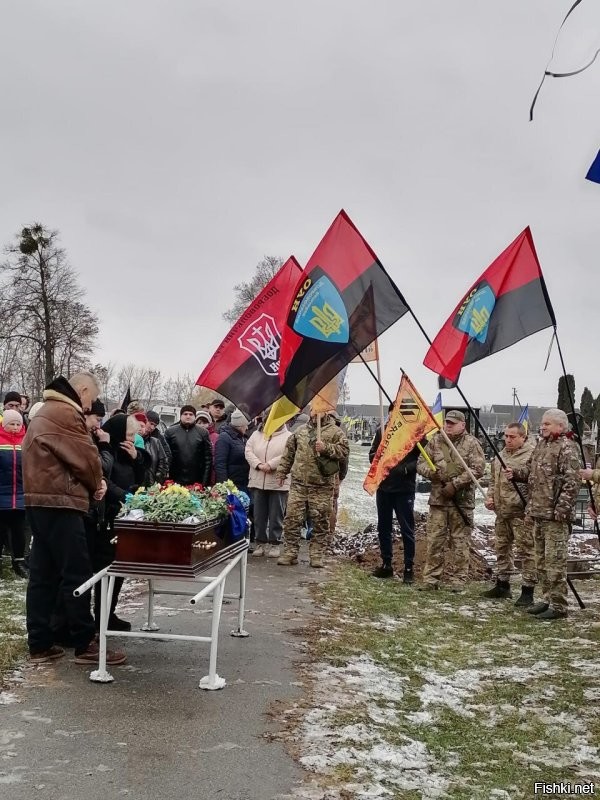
<point>215,588</point>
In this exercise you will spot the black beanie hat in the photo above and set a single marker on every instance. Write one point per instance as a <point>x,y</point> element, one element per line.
<point>153,417</point>
<point>187,408</point>
<point>116,427</point>
<point>97,408</point>
<point>12,397</point>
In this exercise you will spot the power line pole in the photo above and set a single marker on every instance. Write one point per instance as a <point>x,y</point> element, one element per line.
<point>514,402</point>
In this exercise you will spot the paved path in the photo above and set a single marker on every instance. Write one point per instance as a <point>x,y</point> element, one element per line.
<point>152,733</point>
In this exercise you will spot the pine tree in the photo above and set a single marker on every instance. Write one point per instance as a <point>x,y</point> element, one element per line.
<point>563,401</point>
<point>587,406</point>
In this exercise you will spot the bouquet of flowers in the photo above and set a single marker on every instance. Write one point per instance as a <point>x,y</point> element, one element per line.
<point>171,502</point>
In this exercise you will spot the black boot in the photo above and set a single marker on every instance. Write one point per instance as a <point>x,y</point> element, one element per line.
<point>384,571</point>
<point>500,591</point>
<point>117,624</point>
<point>538,608</point>
<point>525,599</point>
<point>18,565</point>
<point>408,576</point>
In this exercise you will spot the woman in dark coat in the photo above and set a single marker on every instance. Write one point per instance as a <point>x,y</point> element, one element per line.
<point>126,475</point>
<point>230,452</point>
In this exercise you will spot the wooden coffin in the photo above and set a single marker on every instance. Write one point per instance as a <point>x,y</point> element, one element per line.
<point>170,549</point>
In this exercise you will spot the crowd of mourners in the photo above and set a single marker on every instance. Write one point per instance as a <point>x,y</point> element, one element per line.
<point>66,468</point>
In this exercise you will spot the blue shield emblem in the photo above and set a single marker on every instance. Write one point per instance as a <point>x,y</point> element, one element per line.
<point>322,314</point>
<point>475,313</point>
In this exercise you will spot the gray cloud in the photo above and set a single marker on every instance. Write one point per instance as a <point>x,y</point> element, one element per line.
<point>174,144</point>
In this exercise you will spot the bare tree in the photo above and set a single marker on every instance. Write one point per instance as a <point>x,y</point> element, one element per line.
<point>246,291</point>
<point>153,387</point>
<point>179,390</point>
<point>106,374</point>
<point>42,303</point>
<point>344,397</point>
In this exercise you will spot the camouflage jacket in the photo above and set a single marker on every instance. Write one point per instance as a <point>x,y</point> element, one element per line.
<point>507,503</point>
<point>554,480</point>
<point>596,488</point>
<point>448,468</point>
<point>301,459</point>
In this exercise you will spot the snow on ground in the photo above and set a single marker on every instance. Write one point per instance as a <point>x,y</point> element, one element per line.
<point>367,695</point>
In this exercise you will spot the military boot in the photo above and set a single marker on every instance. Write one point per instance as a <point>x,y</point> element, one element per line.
<point>538,608</point>
<point>525,599</point>
<point>315,555</point>
<point>287,558</point>
<point>500,591</point>
<point>551,613</point>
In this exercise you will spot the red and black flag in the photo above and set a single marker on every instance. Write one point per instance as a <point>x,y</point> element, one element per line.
<point>508,303</point>
<point>245,366</point>
<point>343,301</point>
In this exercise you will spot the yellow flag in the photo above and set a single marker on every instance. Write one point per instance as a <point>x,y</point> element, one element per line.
<point>281,412</point>
<point>409,421</point>
<point>327,398</point>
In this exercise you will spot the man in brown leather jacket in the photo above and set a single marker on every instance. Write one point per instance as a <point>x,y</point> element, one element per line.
<point>61,472</point>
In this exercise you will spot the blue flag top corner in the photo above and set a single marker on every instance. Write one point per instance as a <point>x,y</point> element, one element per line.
<point>524,418</point>
<point>593,173</point>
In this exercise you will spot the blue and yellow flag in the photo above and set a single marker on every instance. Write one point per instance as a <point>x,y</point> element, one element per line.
<point>438,414</point>
<point>524,418</point>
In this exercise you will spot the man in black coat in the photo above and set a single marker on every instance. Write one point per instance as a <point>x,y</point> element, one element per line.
<point>396,495</point>
<point>191,450</point>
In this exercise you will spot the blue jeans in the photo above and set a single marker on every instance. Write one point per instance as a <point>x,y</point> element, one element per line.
<point>388,504</point>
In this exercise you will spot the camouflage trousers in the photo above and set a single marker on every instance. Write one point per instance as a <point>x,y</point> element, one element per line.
<point>517,532</point>
<point>314,501</point>
<point>446,528</point>
<point>551,560</point>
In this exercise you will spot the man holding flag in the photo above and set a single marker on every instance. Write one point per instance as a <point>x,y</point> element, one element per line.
<point>452,499</point>
<point>313,455</point>
<point>396,495</point>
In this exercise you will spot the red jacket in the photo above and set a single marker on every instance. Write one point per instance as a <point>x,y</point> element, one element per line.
<point>11,473</point>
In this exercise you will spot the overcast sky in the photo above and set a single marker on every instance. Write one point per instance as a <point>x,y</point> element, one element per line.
<point>175,143</point>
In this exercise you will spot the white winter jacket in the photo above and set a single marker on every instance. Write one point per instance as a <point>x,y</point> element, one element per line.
<point>260,450</point>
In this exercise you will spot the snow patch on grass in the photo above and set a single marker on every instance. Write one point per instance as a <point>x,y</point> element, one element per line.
<point>368,690</point>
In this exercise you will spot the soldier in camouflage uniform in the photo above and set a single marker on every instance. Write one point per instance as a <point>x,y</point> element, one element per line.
<point>314,465</point>
<point>511,525</point>
<point>451,501</point>
<point>554,483</point>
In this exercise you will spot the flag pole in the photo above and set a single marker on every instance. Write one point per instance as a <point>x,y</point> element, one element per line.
<point>581,450</point>
<point>378,368</point>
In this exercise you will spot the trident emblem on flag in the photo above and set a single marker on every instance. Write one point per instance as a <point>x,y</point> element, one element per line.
<point>263,339</point>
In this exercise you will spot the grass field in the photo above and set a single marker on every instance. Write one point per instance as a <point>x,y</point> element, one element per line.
<point>419,695</point>
<point>12,623</point>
